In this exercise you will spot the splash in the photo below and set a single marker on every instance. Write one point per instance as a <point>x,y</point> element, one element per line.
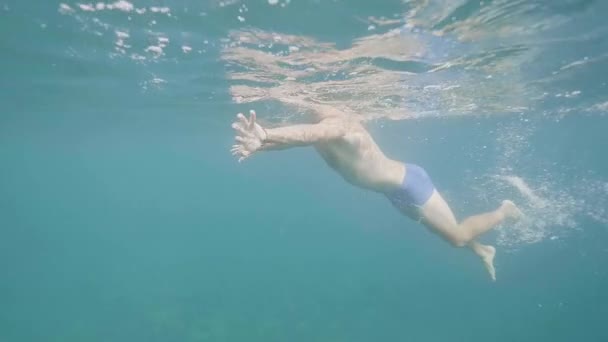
<point>121,6</point>
<point>554,203</point>
<point>553,209</point>
<point>549,213</point>
<point>526,191</point>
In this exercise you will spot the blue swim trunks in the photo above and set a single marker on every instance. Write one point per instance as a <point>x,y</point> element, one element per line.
<point>414,192</point>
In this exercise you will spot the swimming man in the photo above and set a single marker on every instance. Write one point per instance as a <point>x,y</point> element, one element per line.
<point>349,149</point>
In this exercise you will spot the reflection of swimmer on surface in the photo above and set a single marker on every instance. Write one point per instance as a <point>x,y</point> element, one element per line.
<point>349,149</point>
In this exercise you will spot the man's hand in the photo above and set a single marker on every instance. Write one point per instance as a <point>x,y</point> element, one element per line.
<point>249,136</point>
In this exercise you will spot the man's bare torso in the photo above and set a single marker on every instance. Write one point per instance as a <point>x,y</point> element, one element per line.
<point>359,160</point>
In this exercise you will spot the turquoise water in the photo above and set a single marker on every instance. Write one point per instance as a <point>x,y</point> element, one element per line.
<point>123,216</point>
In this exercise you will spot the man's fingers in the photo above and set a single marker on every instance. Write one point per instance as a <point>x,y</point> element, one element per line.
<point>237,149</point>
<point>242,119</point>
<point>243,124</point>
<point>243,127</point>
<point>252,118</point>
<point>244,155</point>
<point>239,128</point>
<point>240,150</point>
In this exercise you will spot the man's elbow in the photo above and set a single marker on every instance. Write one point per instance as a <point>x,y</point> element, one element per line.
<point>334,131</point>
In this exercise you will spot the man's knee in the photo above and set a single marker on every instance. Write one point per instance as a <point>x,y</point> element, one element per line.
<point>459,238</point>
<point>458,243</point>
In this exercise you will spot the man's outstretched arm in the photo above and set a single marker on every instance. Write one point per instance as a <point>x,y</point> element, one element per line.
<point>251,137</point>
<point>301,135</point>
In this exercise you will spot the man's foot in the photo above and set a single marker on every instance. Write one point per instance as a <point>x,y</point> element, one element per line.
<point>511,210</point>
<point>487,257</point>
<point>486,253</point>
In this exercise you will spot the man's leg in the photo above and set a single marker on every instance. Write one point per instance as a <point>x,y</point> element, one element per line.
<point>437,215</point>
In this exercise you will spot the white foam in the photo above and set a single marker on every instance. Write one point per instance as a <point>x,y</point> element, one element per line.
<point>600,107</point>
<point>120,45</point>
<point>101,24</point>
<point>572,94</point>
<point>241,19</point>
<point>432,87</point>
<point>575,63</point>
<point>86,7</point>
<point>273,2</point>
<point>155,83</point>
<point>525,190</point>
<point>186,49</point>
<point>549,210</point>
<point>65,9</point>
<point>124,6</point>
<point>137,57</point>
<point>163,41</point>
<point>157,50</point>
<point>120,5</point>
<point>164,10</point>
<point>121,34</point>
